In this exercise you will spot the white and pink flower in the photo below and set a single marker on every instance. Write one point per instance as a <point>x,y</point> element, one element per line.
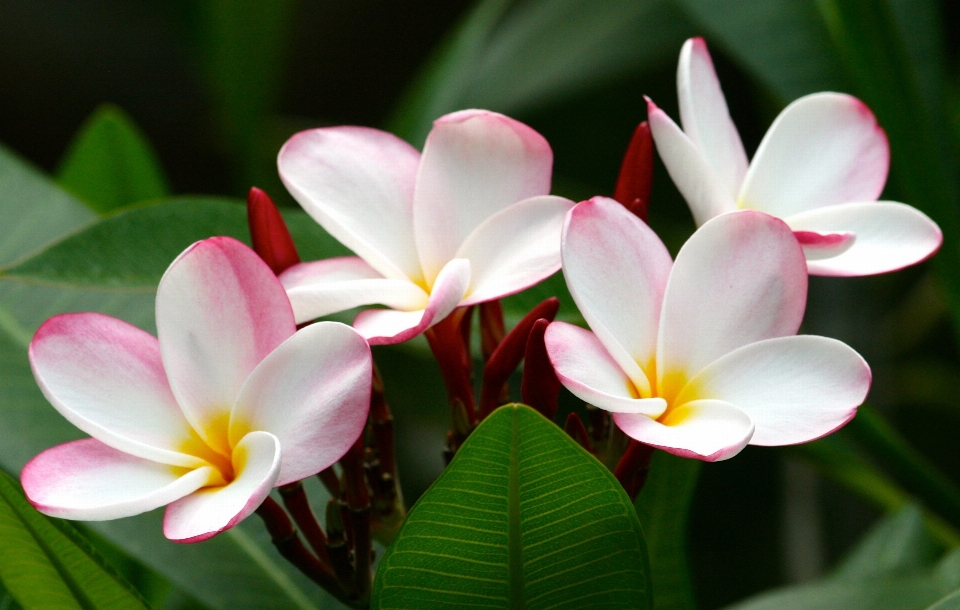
<point>697,357</point>
<point>469,220</point>
<point>820,167</point>
<point>228,403</point>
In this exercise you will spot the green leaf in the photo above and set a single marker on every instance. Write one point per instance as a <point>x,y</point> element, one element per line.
<point>914,472</point>
<point>538,53</point>
<point>34,211</point>
<point>899,543</point>
<point>782,42</point>
<point>48,564</point>
<point>950,602</point>
<point>836,457</point>
<point>664,509</point>
<point>892,568</point>
<point>522,517</point>
<point>110,164</point>
<point>114,254</point>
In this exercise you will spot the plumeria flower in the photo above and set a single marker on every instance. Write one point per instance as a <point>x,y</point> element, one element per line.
<point>469,220</point>
<point>820,167</point>
<point>697,357</point>
<point>228,403</point>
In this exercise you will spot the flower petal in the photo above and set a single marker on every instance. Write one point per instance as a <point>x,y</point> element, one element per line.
<point>689,169</point>
<point>890,236</point>
<point>358,184</point>
<point>705,117</point>
<point>823,149</point>
<point>313,394</point>
<point>515,248</point>
<point>320,288</point>
<point>475,163</point>
<point>740,278</point>
<point>818,246</point>
<point>220,311</point>
<point>795,389</point>
<point>616,269</point>
<point>91,481</point>
<point>708,430</point>
<point>209,511</point>
<point>585,368</point>
<point>387,326</point>
<point>106,377</point>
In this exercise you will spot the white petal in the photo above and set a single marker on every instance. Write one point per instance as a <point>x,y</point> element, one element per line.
<point>220,311</point>
<point>209,511</point>
<point>616,269</point>
<point>90,481</point>
<point>689,169</point>
<point>890,236</point>
<point>740,278</point>
<point>515,248</point>
<point>585,368</point>
<point>823,149</point>
<point>313,394</point>
<point>795,389</point>
<point>320,288</point>
<point>106,377</point>
<point>705,118</point>
<point>358,184</point>
<point>386,326</point>
<point>709,430</point>
<point>475,163</point>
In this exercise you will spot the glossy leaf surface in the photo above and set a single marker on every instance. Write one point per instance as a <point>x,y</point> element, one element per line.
<point>522,518</point>
<point>46,563</point>
<point>110,163</point>
<point>112,253</point>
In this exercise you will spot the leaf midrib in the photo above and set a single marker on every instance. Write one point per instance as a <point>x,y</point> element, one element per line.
<point>515,556</point>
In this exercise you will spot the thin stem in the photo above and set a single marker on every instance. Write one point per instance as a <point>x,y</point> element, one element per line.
<point>288,543</point>
<point>295,500</point>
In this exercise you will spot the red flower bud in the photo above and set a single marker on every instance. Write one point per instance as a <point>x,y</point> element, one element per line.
<point>268,231</point>
<point>636,173</point>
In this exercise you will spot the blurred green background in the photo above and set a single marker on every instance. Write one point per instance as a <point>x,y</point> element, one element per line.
<point>216,86</point>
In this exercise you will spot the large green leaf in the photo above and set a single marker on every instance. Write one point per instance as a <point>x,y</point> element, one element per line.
<point>664,509</point>
<point>539,52</point>
<point>110,164</point>
<point>950,602</point>
<point>114,254</point>
<point>782,42</point>
<point>522,518</point>
<point>34,211</point>
<point>46,564</point>
<point>893,568</point>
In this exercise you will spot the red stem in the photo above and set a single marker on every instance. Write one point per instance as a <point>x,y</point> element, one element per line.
<point>295,499</point>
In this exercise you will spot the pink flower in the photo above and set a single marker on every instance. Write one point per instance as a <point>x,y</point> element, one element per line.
<point>228,403</point>
<point>469,220</point>
<point>697,356</point>
<point>820,168</point>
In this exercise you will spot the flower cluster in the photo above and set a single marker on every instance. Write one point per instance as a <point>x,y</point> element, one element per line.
<point>699,356</point>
